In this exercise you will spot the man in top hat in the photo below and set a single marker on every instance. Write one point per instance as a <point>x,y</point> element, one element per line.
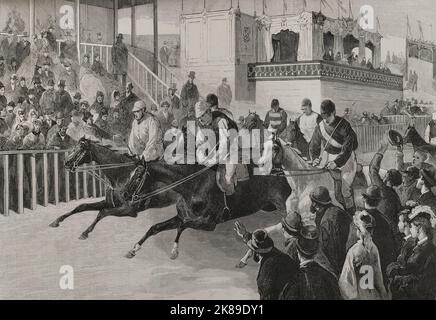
<point>333,146</point>
<point>225,130</point>
<point>3,100</point>
<point>70,77</point>
<point>63,100</point>
<point>61,140</point>
<point>408,191</point>
<point>39,89</point>
<point>164,53</point>
<point>119,59</point>
<point>308,120</point>
<point>60,121</point>
<point>47,74</point>
<point>224,93</point>
<point>333,225</point>
<point>146,136</point>
<point>35,139</point>
<point>384,235</point>
<point>426,183</point>
<point>276,268</point>
<point>390,206</point>
<point>311,282</point>
<point>212,103</point>
<point>190,94</point>
<point>48,98</point>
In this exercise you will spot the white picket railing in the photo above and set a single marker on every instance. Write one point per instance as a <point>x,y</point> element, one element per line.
<point>103,50</point>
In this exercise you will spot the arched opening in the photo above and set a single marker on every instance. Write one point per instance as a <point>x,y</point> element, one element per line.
<point>369,52</point>
<point>285,46</point>
<point>350,43</point>
<point>328,41</point>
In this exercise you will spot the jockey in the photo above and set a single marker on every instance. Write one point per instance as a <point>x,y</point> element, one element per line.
<point>335,136</point>
<point>308,120</point>
<point>222,126</point>
<point>146,136</point>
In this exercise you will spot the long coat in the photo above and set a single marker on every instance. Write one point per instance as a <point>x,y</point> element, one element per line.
<point>334,225</point>
<point>383,238</point>
<point>48,101</point>
<point>119,58</point>
<point>33,141</point>
<point>63,102</point>
<point>57,142</point>
<point>276,269</point>
<point>312,282</point>
<point>189,95</point>
<point>417,280</point>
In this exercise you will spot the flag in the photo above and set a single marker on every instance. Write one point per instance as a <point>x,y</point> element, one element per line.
<point>326,4</point>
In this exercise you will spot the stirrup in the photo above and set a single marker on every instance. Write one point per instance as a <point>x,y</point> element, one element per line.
<point>226,209</point>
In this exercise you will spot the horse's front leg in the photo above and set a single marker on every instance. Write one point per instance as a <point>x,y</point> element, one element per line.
<point>116,212</point>
<point>81,208</point>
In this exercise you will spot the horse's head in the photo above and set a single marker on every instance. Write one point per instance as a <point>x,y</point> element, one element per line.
<point>252,121</point>
<point>82,153</point>
<point>293,131</point>
<point>135,184</point>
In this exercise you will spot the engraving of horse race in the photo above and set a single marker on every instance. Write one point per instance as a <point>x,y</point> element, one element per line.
<point>227,149</point>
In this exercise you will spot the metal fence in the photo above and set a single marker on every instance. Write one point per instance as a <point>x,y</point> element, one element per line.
<point>31,178</point>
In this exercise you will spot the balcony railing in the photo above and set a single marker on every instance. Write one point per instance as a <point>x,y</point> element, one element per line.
<point>324,70</point>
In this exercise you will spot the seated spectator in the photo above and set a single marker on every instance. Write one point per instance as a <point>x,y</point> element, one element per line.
<point>365,118</point>
<point>3,99</point>
<point>85,62</point>
<point>61,140</point>
<point>47,75</point>
<point>4,129</point>
<point>12,88</point>
<point>97,66</point>
<point>416,280</point>
<point>2,67</point>
<point>48,122</point>
<point>92,131</point>
<point>363,255</point>
<point>329,55</point>
<point>426,182</point>
<point>35,139</point>
<point>16,138</point>
<point>102,122</point>
<point>311,282</point>
<point>98,105</point>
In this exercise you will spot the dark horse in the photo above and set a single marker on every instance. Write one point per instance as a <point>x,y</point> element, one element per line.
<point>412,136</point>
<point>114,204</point>
<point>293,135</point>
<point>201,205</point>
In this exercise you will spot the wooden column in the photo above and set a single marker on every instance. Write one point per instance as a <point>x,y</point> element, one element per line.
<point>56,177</point>
<point>155,37</point>
<point>20,178</point>
<point>6,185</point>
<point>133,24</point>
<point>31,19</point>
<point>78,29</point>
<point>33,181</point>
<point>45,175</point>
<point>67,182</point>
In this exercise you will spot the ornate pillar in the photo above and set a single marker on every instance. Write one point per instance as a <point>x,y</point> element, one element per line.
<point>133,24</point>
<point>115,19</point>
<point>155,37</point>
<point>305,42</point>
<point>78,29</point>
<point>361,47</point>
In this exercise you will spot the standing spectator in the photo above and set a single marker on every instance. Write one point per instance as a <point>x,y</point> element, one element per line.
<point>85,62</point>
<point>97,66</point>
<point>102,121</point>
<point>363,255</point>
<point>164,53</point>
<point>308,120</point>
<point>51,38</point>
<point>15,141</point>
<point>76,128</point>
<point>126,105</point>
<point>224,93</point>
<point>47,74</point>
<point>32,102</point>
<point>383,235</point>
<point>35,139</point>
<point>426,182</point>
<point>48,122</point>
<point>115,100</point>
<point>39,90</point>
<point>189,95</point>
<point>430,131</point>
<point>98,105</point>
<point>10,114</point>
<point>276,118</point>
<point>76,101</point>
<point>165,117</point>
<point>311,282</point>
<point>119,59</point>
<point>276,268</point>
<point>37,73</point>
<point>63,101</point>
<point>390,206</point>
<point>333,225</point>
<point>178,111</point>
<point>3,100</point>
<point>2,67</point>
<point>408,191</point>
<point>329,55</point>
<point>70,77</point>
<point>13,66</point>
<point>61,140</point>
<point>12,89</point>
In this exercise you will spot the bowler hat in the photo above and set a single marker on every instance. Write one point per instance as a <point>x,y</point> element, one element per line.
<point>395,138</point>
<point>306,102</point>
<point>307,242</point>
<point>429,176</point>
<point>191,75</point>
<point>292,222</point>
<point>320,195</point>
<point>373,193</point>
<point>260,242</point>
<point>51,82</point>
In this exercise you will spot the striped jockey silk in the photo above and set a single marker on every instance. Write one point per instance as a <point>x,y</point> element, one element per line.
<point>275,118</point>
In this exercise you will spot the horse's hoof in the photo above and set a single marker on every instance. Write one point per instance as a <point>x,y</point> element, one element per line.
<point>174,254</point>
<point>83,236</point>
<point>131,254</point>
<point>54,224</point>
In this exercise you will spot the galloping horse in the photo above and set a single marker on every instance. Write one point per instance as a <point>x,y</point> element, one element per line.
<point>117,174</point>
<point>202,204</point>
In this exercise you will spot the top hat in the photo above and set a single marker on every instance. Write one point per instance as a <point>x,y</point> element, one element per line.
<point>308,241</point>
<point>306,102</point>
<point>320,195</point>
<point>260,242</point>
<point>191,75</point>
<point>292,223</point>
<point>373,193</point>
<point>173,87</point>
<point>51,82</point>
<point>61,83</point>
